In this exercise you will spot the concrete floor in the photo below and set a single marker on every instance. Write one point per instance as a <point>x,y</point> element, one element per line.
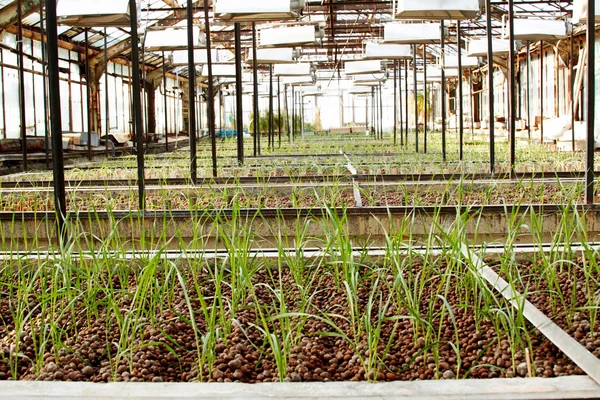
<point>579,387</point>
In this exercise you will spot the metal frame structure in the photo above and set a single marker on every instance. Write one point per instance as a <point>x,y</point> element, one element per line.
<point>344,37</point>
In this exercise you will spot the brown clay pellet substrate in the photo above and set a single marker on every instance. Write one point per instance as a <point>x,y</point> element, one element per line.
<point>301,197</point>
<point>330,345</point>
<point>548,194</point>
<point>567,291</point>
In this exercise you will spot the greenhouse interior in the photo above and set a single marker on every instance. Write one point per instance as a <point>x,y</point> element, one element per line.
<point>299,199</point>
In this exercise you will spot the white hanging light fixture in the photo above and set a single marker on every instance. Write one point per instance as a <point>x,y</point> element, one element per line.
<point>539,29</point>
<point>377,51</point>
<point>301,69</point>
<point>580,13</point>
<point>274,56</point>
<point>172,39</point>
<point>364,67</point>
<point>257,11</point>
<point>398,33</point>
<point>439,9</point>
<point>291,35</point>
<point>95,13</point>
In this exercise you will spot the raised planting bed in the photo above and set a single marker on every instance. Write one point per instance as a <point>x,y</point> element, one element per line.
<point>241,319</point>
<point>301,195</point>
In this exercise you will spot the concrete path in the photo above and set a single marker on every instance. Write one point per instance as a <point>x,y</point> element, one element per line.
<point>580,387</point>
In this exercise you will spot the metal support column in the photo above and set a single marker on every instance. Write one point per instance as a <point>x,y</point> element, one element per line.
<point>512,114</point>
<point>138,125</point>
<point>541,81</point>
<point>210,102</point>
<point>395,100</point>
<point>279,108</point>
<point>572,86</point>
<point>400,103</point>
<point>164,81</point>
<point>45,87</point>
<point>490,52</point>
<point>20,61</point>
<point>443,92</point>
<point>461,120</point>
<point>590,175</point>
<point>60,202</point>
<point>380,111</point>
<point>415,93</point>
<point>406,103</point>
<point>425,97</point>
<point>239,94</point>
<point>88,94</point>
<point>271,117</point>
<point>192,93</point>
<point>528,89</point>
<point>255,93</point>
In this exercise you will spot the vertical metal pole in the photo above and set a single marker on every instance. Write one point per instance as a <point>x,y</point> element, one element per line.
<point>472,104</point>
<point>4,98</point>
<point>512,114</point>
<point>400,103</point>
<point>164,74</point>
<point>60,203</point>
<point>192,93</point>
<point>541,81</point>
<point>45,87</point>
<point>425,97</point>
<point>461,123</point>
<point>238,93</point>
<point>406,103</point>
<point>395,100</point>
<point>492,118</point>
<point>88,94</point>
<point>529,89</point>
<point>374,124</point>
<point>443,91</point>
<point>255,91</point>
<point>271,119</point>
<point>210,104</point>
<point>293,122</point>
<point>301,100</point>
<point>286,108</point>
<point>279,108</point>
<point>415,93</point>
<point>380,111</point>
<point>138,125</point>
<point>22,115</point>
<point>106,101</point>
<point>590,175</point>
<point>572,86</point>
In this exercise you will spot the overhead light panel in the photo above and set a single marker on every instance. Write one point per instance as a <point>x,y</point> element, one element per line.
<point>274,56</point>
<point>427,33</point>
<point>479,47</point>
<point>307,80</point>
<point>539,29</point>
<point>439,9</point>
<point>451,62</point>
<point>364,67</point>
<point>173,39</point>
<point>95,13</point>
<point>289,70</point>
<point>257,11</point>
<point>180,57</point>
<point>220,71</point>
<point>291,36</point>
<point>376,51</point>
<point>580,8</point>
